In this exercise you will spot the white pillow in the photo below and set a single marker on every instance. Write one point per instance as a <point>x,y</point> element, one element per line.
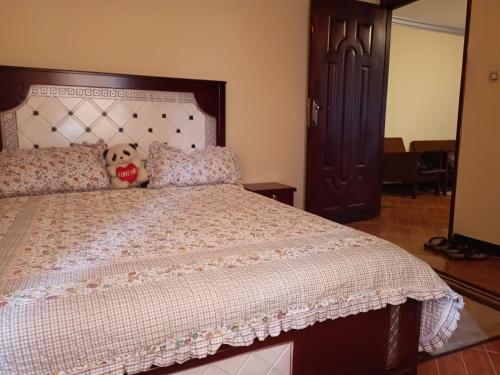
<point>169,166</point>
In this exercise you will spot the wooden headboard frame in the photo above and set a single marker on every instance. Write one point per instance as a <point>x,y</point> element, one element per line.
<point>210,95</point>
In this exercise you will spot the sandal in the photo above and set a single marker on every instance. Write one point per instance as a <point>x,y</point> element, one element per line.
<point>470,253</point>
<point>441,244</point>
<point>453,251</point>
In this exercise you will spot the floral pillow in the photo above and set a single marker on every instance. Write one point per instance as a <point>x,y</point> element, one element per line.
<point>52,170</point>
<point>169,166</point>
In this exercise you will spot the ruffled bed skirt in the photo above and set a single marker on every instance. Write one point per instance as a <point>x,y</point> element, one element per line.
<point>434,333</point>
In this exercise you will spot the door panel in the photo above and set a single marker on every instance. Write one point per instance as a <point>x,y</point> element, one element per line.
<point>346,79</point>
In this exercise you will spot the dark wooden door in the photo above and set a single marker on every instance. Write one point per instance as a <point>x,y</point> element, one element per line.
<point>347,86</point>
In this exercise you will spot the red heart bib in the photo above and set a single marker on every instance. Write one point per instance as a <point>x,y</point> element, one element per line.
<point>128,173</point>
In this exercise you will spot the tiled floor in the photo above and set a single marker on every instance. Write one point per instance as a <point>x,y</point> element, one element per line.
<point>410,222</point>
<point>479,360</point>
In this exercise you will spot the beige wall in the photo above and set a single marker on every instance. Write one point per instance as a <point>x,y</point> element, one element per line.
<point>259,47</point>
<point>477,211</point>
<point>424,84</point>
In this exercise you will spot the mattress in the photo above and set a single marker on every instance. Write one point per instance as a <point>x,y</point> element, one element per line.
<point>119,280</point>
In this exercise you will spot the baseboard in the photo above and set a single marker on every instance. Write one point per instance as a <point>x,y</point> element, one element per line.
<point>484,296</point>
<point>487,247</point>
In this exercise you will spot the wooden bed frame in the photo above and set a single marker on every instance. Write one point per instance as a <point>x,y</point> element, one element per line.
<point>378,341</point>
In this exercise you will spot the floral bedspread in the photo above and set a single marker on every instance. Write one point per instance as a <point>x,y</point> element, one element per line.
<point>119,280</point>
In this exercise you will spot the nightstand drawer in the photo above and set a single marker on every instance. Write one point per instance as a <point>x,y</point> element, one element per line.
<point>280,196</point>
<point>281,193</point>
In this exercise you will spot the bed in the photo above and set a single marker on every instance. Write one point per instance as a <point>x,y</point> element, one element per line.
<point>187,280</point>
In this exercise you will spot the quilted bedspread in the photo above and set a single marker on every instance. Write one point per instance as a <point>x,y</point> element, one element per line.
<point>114,281</point>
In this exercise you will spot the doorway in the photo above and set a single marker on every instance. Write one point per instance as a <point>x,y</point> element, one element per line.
<point>419,155</point>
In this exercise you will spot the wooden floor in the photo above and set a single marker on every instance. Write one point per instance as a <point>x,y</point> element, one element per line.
<point>479,360</point>
<point>410,222</point>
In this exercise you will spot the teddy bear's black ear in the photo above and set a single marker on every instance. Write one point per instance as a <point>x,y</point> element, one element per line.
<point>105,153</point>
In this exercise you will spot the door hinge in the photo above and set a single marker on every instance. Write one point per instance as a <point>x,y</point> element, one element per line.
<point>308,112</point>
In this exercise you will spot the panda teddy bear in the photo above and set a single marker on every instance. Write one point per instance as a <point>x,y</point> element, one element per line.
<point>124,166</point>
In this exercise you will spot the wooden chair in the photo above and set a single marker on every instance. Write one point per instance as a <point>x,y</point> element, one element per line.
<point>402,166</point>
<point>438,154</point>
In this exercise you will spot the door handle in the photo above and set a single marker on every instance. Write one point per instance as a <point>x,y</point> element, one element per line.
<point>314,113</point>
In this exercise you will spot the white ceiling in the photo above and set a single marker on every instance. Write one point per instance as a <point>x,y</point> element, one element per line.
<point>446,13</point>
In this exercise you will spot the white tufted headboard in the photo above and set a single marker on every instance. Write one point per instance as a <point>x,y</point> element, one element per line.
<point>58,115</point>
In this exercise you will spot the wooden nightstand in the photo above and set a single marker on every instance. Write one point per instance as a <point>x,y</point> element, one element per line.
<point>273,190</point>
